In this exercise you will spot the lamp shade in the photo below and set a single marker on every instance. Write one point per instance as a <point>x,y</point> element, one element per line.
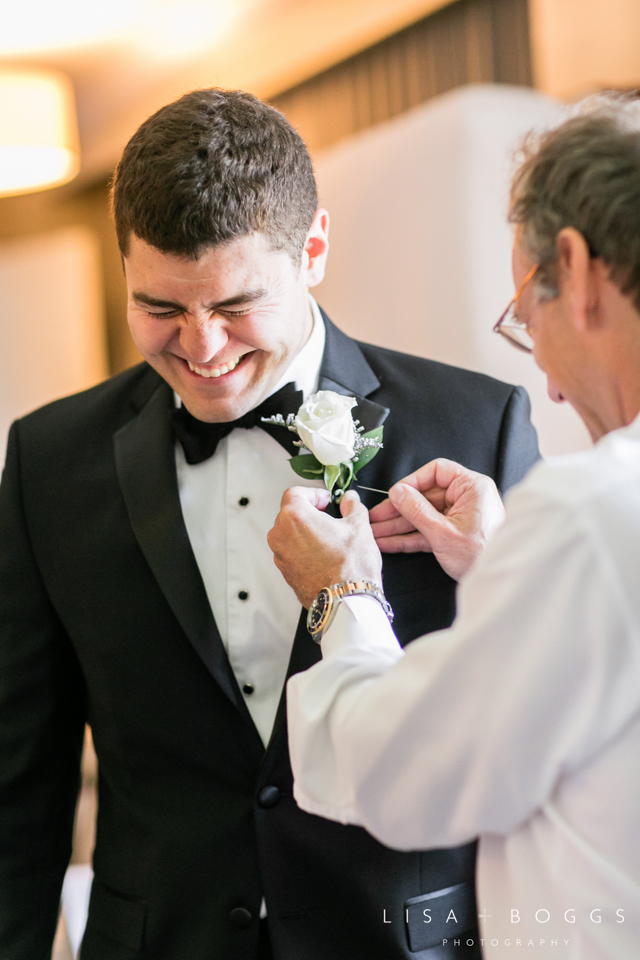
<point>38,131</point>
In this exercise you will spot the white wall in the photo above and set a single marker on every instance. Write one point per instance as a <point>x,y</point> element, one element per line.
<point>51,324</point>
<point>581,46</point>
<point>420,248</point>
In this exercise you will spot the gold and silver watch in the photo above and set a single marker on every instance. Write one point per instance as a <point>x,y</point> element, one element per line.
<point>324,606</point>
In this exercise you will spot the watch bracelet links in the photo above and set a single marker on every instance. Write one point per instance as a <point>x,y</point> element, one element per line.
<point>363,588</point>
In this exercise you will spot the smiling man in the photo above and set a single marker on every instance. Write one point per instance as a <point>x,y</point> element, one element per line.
<point>261,305</point>
<point>521,724</point>
<point>138,591</point>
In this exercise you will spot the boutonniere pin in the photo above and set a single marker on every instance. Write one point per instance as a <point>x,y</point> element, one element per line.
<point>338,445</point>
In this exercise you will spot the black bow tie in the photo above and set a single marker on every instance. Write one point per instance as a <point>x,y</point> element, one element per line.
<point>199,439</point>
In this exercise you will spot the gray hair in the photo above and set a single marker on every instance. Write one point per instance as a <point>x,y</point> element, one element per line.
<point>584,174</point>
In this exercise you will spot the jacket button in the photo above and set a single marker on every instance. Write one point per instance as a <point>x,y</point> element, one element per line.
<point>240,918</point>
<point>268,797</point>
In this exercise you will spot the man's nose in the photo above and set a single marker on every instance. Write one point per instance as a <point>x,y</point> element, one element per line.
<point>202,338</point>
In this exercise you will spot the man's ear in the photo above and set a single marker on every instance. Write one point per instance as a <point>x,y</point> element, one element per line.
<point>316,248</point>
<point>579,276</point>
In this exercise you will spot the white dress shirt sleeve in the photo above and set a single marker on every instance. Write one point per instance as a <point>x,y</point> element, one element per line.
<point>469,731</point>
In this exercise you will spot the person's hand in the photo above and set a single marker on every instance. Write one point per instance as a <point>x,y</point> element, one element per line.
<point>441,508</point>
<point>313,550</point>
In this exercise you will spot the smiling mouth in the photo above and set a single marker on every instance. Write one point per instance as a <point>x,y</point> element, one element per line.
<point>215,372</point>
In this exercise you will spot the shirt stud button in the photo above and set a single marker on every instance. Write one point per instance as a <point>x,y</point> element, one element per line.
<point>248,688</point>
<point>243,501</point>
<point>268,797</point>
<point>243,595</point>
<point>240,918</point>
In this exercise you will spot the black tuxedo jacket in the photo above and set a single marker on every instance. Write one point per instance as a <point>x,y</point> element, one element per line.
<point>104,618</point>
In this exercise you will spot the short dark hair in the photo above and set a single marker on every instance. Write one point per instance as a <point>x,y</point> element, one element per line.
<point>584,174</point>
<point>214,166</point>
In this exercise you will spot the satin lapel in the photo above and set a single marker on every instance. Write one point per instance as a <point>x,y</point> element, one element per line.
<point>345,370</point>
<point>144,450</point>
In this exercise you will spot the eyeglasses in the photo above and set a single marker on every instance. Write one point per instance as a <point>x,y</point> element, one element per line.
<point>510,326</point>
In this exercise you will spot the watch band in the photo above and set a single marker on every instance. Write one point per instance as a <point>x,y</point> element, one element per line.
<point>325,604</point>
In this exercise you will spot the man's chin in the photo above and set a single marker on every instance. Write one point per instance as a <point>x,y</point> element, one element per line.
<point>225,398</point>
<point>223,408</point>
<point>217,409</point>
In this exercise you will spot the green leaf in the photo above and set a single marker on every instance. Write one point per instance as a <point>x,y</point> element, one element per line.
<point>331,474</point>
<point>369,452</point>
<point>307,466</point>
<point>344,479</point>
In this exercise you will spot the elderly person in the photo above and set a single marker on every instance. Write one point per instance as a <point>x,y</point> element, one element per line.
<point>521,723</point>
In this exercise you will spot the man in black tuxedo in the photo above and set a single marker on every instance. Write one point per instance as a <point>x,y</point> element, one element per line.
<point>121,551</point>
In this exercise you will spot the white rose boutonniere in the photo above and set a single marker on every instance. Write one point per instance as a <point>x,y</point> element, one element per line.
<point>338,445</point>
<point>325,426</point>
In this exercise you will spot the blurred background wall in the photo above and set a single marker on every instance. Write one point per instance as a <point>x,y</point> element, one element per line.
<point>412,110</point>
<point>420,246</point>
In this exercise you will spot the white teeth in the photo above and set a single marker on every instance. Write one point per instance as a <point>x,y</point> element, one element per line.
<point>214,371</point>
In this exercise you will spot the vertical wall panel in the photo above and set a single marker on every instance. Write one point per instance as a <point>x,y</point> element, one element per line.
<point>512,44</point>
<point>469,41</point>
<point>479,36</point>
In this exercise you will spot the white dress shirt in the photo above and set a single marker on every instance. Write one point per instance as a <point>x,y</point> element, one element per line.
<point>520,724</point>
<point>256,611</point>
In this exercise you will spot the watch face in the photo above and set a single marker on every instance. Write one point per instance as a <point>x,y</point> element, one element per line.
<point>318,611</point>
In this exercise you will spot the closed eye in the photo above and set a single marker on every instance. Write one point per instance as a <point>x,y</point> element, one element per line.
<point>168,314</point>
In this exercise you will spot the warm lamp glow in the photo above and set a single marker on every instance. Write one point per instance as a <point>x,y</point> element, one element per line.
<point>38,131</point>
<point>185,28</point>
<point>163,28</point>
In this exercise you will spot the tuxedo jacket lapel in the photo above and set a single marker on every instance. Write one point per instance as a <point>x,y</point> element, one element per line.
<point>345,370</point>
<point>145,461</point>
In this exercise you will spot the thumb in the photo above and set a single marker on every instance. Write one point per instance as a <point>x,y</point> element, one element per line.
<point>351,506</point>
<point>314,496</point>
<point>415,508</point>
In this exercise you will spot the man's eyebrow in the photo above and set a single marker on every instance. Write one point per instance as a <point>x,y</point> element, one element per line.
<point>148,301</point>
<point>249,296</point>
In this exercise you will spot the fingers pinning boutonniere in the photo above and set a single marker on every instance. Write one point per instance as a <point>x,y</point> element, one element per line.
<point>338,445</point>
